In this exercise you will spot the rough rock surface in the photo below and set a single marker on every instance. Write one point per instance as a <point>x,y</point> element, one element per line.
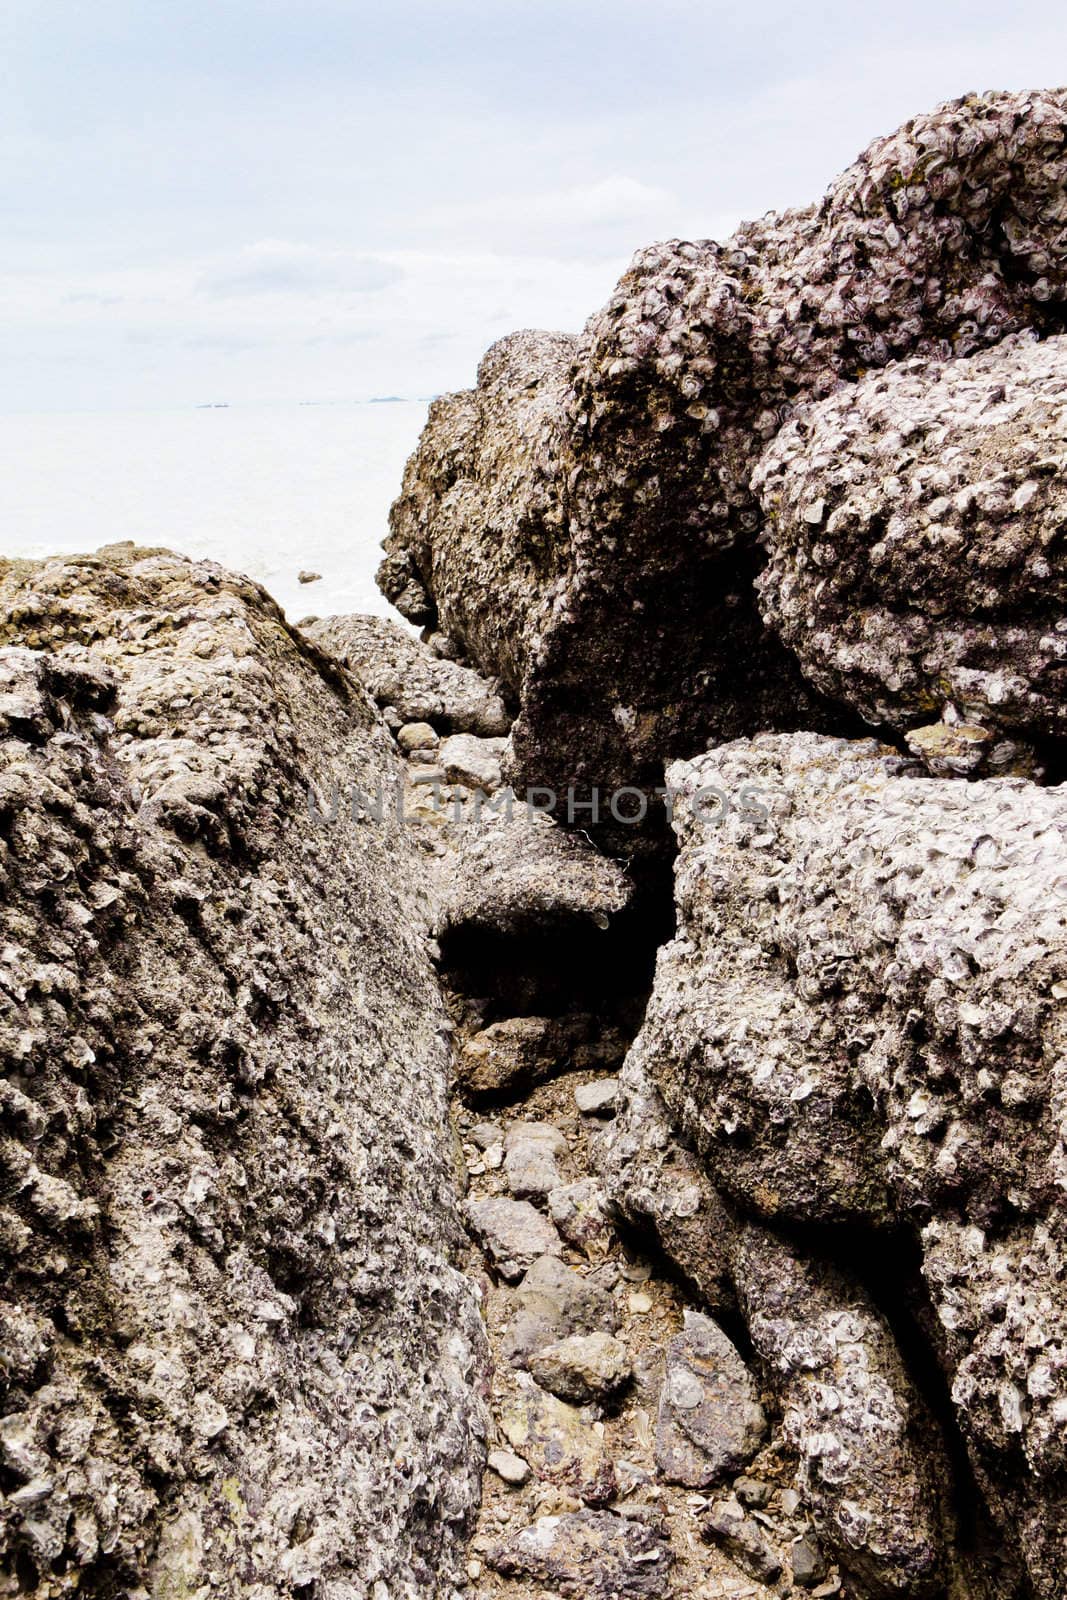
<point>397,670</point>
<point>233,1350</point>
<point>558,1442</point>
<point>619,573</point>
<point>589,1555</point>
<point>710,1421</point>
<point>514,1233</point>
<point>583,1367</point>
<point>862,1020</point>
<point>916,529</point>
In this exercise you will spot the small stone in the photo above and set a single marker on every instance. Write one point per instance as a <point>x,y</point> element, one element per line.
<point>531,1152</point>
<point>593,1555</point>
<point>416,736</point>
<point>555,1301</point>
<point>579,1211</point>
<point>807,1562</point>
<point>790,1502</point>
<point>486,1134</point>
<point>557,1442</point>
<point>752,1492</point>
<point>507,1465</point>
<point>494,1157</point>
<point>467,759</point>
<point>308,577</point>
<point>710,1421</point>
<point>583,1367</point>
<point>597,1099</point>
<point>742,1540</point>
<point>640,1303</point>
<point>474,1569</point>
<point>513,1234</point>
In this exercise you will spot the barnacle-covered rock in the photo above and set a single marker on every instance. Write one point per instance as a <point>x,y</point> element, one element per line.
<point>916,525</point>
<point>234,1351</point>
<point>861,1020</point>
<point>620,608</point>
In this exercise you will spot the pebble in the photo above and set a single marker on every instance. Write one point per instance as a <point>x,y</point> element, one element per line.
<point>486,1134</point>
<point>597,1099</point>
<point>583,1367</point>
<point>531,1152</point>
<point>640,1303</point>
<point>507,1465</point>
<point>308,577</point>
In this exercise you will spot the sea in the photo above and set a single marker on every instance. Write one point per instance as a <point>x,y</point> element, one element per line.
<point>268,490</point>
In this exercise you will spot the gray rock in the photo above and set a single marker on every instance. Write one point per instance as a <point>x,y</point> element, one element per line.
<point>710,1422</point>
<point>654,1179</point>
<point>416,736</point>
<point>743,1540</point>
<point>473,761</point>
<point>579,1211</point>
<point>893,945</point>
<point>484,1135</point>
<point>513,1234</point>
<point>233,1340</point>
<point>558,1443</point>
<point>582,522</point>
<point>584,1367</point>
<point>532,1153</point>
<point>806,1562</point>
<point>555,1301</point>
<point>929,579</point>
<point>508,1466</point>
<point>752,1492</point>
<point>397,670</point>
<point>589,1555</point>
<point>597,1099</point>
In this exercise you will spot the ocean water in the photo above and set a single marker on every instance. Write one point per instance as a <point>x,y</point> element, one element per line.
<point>267,490</point>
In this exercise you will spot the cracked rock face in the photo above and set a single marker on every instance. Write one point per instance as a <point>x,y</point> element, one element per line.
<point>862,1020</point>
<point>915,526</point>
<point>613,591</point>
<point>233,1347</point>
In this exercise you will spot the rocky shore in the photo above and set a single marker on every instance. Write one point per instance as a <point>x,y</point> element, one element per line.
<point>413,1186</point>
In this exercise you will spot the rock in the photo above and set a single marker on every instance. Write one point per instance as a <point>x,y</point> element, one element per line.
<point>397,670</point>
<point>752,1492</point>
<point>513,1234</point>
<point>742,1539</point>
<point>512,1468</point>
<point>554,1302</point>
<point>308,577</point>
<point>518,1050</point>
<point>654,1179</point>
<point>588,1555</point>
<point>597,1099</point>
<point>532,1151</point>
<point>233,1342</point>
<point>579,1211</point>
<point>929,581</point>
<point>557,1443</point>
<point>890,946</point>
<point>710,1422</point>
<point>583,522</point>
<point>584,1367</point>
<point>475,762</point>
<point>415,736</point>
<point>484,1135</point>
<point>871,1464</point>
<point>806,1562</point>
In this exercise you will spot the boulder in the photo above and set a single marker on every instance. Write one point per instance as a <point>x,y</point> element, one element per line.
<point>600,494</point>
<point>235,1351</point>
<point>915,522</point>
<point>861,1021</point>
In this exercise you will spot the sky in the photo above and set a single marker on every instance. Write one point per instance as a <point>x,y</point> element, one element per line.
<point>259,201</point>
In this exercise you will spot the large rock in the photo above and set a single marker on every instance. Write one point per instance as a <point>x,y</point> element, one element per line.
<point>588,1555</point>
<point>234,1352</point>
<point>862,1021</point>
<point>613,589</point>
<point>710,1422</point>
<point>915,527</point>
